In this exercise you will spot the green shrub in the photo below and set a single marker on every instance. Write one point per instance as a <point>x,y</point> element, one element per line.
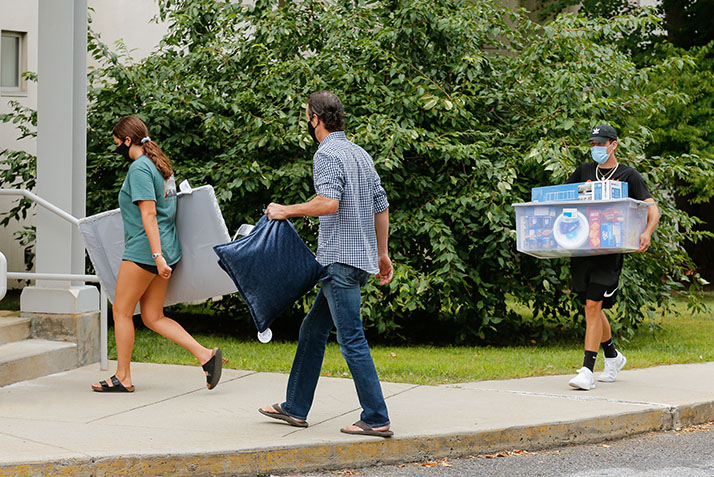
<point>464,106</point>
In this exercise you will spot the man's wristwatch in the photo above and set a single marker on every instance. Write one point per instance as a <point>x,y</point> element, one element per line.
<point>156,255</point>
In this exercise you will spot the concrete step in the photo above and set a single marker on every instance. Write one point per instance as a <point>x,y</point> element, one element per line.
<point>32,358</point>
<point>14,328</point>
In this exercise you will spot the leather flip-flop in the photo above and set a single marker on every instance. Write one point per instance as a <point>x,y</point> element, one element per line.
<point>213,368</point>
<point>366,430</point>
<point>283,416</point>
<point>116,387</point>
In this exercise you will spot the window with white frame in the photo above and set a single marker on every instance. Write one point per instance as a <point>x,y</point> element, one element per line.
<point>12,62</point>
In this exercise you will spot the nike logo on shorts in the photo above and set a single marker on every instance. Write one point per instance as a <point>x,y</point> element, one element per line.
<point>608,295</point>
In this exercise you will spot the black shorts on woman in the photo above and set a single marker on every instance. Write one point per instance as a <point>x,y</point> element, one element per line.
<point>153,268</point>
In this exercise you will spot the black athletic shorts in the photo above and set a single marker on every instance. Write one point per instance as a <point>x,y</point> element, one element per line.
<point>597,292</point>
<point>596,278</point>
<point>153,268</point>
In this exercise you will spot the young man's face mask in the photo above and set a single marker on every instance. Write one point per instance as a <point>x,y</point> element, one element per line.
<point>600,154</point>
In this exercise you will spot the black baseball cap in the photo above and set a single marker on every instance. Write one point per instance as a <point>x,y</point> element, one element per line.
<point>603,133</point>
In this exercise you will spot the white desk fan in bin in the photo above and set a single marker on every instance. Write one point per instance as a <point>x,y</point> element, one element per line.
<point>570,229</point>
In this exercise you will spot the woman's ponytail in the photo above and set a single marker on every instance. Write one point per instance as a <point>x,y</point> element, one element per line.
<point>163,164</point>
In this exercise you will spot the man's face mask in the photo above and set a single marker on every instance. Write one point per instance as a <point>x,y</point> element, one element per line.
<point>600,154</point>
<point>311,130</point>
<point>123,150</point>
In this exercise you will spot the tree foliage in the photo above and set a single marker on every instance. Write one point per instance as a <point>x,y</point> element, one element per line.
<point>18,170</point>
<point>464,106</point>
<point>687,23</point>
<point>687,128</point>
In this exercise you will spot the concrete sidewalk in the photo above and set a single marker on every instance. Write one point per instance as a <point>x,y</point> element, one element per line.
<point>173,425</point>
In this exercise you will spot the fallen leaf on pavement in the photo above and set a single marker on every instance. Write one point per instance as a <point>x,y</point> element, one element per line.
<point>707,426</point>
<point>507,454</point>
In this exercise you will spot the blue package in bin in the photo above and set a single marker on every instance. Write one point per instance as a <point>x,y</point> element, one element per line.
<point>611,235</point>
<point>592,190</point>
<point>556,193</point>
<point>609,190</point>
<point>547,243</point>
<point>544,222</point>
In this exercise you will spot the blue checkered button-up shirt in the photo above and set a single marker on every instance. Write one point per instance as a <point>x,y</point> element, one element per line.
<point>344,171</point>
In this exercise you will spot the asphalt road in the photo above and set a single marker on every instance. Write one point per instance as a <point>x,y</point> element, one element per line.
<point>683,453</point>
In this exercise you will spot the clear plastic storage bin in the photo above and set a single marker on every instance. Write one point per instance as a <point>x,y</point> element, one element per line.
<point>585,227</point>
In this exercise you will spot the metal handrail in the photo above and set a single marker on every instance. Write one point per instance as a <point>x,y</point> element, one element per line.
<point>103,301</point>
<point>40,201</point>
<point>51,276</point>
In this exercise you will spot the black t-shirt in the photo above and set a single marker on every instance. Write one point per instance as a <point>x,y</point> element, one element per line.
<point>604,269</point>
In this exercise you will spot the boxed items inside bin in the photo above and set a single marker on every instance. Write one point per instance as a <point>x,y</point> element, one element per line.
<point>591,190</point>
<point>580,228</point>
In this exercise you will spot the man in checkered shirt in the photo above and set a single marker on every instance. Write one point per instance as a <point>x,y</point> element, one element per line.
<point>352,244</point>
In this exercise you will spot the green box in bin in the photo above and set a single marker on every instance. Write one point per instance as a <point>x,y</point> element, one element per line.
<point>585,227</point>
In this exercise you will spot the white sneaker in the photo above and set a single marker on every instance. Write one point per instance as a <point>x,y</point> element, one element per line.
<point>585,380</point>
<point>612,367</point>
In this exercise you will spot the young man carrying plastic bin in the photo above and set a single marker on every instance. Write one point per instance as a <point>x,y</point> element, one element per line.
<point>595,278</point>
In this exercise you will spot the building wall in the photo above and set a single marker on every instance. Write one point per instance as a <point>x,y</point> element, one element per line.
<point>130,21</point>
<point>17,17</point>
<point>113,20</point>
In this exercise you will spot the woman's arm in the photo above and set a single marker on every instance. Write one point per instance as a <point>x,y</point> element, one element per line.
<point>151,226</point>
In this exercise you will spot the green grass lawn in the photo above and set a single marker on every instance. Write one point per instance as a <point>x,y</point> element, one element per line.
<point>683,338</point>
<point>11,301</point>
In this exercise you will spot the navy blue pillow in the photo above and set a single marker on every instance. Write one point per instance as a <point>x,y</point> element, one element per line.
<point>272,268</point>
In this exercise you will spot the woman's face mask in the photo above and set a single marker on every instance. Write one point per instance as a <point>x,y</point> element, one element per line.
<point>123,150</point>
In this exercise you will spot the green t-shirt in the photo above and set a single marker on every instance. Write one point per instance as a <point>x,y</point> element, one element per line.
<point>145,182</point>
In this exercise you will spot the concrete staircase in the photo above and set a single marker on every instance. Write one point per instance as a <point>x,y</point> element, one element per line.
<point>24,354</point>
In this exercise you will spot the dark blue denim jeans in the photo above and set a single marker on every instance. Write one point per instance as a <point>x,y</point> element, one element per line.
<point>337,305</point>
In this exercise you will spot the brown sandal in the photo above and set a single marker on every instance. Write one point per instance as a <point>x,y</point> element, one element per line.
<point>367,430</point>
<point>283,416</point>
